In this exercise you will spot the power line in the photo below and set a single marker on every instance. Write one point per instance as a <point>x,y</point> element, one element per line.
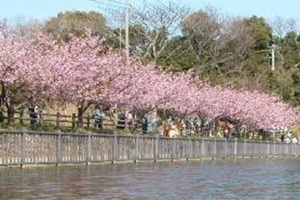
<point>114,1</point>
<point>108,4</point>
<point>127,6</point>
<point>161,3</point>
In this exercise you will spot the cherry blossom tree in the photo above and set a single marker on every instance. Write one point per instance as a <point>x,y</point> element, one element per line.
<point>16,58</point>
<point>76,72</point>
<point>257,110</point>
<point>83,72</point>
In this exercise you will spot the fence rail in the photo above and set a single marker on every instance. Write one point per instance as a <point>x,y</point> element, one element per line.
<point>57,119</point>
<point>28,147</point>
<point>52,122</point>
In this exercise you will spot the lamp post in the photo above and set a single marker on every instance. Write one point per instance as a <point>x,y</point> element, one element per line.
<point>127,30</point>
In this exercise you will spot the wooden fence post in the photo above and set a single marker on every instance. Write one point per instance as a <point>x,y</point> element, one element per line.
<point>57,120</point>
<point>23,148</point>
<point>156,153</point>
<point>88,149</point>
<point>235,148</point>
<point>58,148</point>
<point>73,120</point>
<point>268,149</point>
<point>21,117</point>
<point>173,149</point>
<point>274,148</point>
<point>88,121</point>
<point>215,149</point>
<point>190,149</point>
<point>203,148</point>
<point>114,149</point>
<point>136,148</point>
<point>226,149</point>
<point>245,148</point>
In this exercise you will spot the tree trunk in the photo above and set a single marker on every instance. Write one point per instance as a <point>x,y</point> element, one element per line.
<point>81,110</point>
<point>10,114</point>
<point>80,117</point>
<point>1,116</point>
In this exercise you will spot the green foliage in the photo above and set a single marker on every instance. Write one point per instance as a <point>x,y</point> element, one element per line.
<point>290,49</point>
<point>261,31</point>
<point>177,56</point>
<point>75,23</point>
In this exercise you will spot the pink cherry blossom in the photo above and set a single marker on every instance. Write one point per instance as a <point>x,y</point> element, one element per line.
<point>83,72</point>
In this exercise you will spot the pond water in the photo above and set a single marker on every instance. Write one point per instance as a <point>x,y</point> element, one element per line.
<point>224,179</point>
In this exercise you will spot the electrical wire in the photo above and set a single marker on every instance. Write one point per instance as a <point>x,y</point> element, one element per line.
<point>107,4</point>
<point>115,1</point>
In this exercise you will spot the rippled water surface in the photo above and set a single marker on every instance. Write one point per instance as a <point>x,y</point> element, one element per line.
<point>229,179</point>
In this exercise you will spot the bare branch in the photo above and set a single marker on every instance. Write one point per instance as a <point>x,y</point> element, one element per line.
<point>153,25</point>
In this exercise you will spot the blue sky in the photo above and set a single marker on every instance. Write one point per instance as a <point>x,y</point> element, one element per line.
<point>44,9</point>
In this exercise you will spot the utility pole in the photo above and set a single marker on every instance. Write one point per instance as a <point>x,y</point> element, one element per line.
<point>271,52</point>
<point>273,56</point>
<point>127,30</point>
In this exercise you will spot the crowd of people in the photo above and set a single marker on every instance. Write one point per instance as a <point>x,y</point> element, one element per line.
<point>172,126</point>
<point>152,123</point>
<point>169,125</point>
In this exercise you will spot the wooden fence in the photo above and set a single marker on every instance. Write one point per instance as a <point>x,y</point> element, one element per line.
<point>31,148</point>
<point>57,120</point>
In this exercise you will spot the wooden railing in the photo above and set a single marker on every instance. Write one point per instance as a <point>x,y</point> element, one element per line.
<point>58,120</point>
<point>27,148</point>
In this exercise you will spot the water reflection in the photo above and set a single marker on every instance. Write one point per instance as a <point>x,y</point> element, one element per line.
<point>239,179</point>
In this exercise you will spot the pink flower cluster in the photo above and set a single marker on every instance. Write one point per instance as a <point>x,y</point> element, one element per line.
<point>82,70</point>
